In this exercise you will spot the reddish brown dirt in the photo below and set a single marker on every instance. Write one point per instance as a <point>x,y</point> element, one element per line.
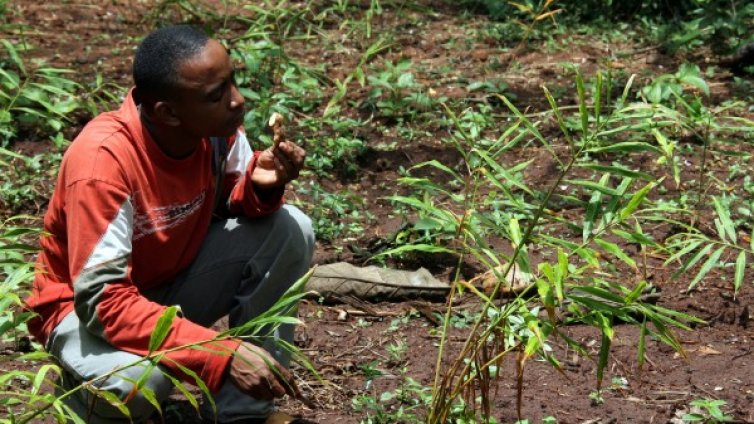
<point>93,37</point>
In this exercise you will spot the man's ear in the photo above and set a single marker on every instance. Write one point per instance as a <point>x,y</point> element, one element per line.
<point>163,112</point>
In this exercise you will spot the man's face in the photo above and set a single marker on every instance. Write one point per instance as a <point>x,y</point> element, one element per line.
<point>207,102</point>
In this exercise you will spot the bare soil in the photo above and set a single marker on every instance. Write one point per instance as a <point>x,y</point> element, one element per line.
<point>347,341</point>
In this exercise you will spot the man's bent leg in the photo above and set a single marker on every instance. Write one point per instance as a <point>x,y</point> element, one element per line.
<point>243,267</point>
<point>85,357</point>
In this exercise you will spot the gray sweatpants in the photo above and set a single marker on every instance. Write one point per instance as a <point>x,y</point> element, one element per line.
<point>242,268</point>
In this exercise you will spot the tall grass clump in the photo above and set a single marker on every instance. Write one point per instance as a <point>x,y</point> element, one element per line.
<point>590,268</point>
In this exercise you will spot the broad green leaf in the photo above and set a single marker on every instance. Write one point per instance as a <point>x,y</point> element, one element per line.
<point>635,201</point>
<point>427,224</point>
<point>199,382</point>
<point>534,131</point>
<point>421,247</point>
<point>634,295</point>
<point>635,237</point>
<point>514,231</point>
<point>593,208</point>
<point>625,147</point>
<point>696,81</point>
<point>694,259</point>
<point>40,377</point>
<point>613,206</point>
<point>508,176</point>
<point>600,293</point>
<point>13,55</point>
<point>162,328</point>
<point>689,247</point>
<point>184,390</point>
<point>618,170</point>
<point>562,274</point>
<point>603,355</point>
<point>616,251</point>
<point>594,305</point>
<point>436,164</point>
<point>667,147</point>
<point>491,178</point>
<point>724,215</point>
<point>707,266</point>
<point>112,399</point>
<point>600,186</point>
<point>626,91</point>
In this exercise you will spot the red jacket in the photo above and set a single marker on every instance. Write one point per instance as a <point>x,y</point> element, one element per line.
<point>125,218</point>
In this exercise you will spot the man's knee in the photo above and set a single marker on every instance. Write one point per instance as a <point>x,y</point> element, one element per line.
<point>300,226</point>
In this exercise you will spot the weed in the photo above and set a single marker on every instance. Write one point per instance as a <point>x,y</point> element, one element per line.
<point>395,93</point>
<point>20,190</point>
<point>33,97</point>
<point>707,411</point>
<point>405,404</point>
<point>16,272</point>
<point>333,214</point>
<point>397,351</point>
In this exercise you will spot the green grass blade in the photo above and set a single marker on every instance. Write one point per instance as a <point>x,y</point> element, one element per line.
<point>558,115</point>
<point>642,345</point>
<point>740,269</point>
<point>583,111</point>
<point>162,328</point>
<point>598,98</point>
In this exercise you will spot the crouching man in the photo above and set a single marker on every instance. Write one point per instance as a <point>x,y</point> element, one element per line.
<point>161,203</point>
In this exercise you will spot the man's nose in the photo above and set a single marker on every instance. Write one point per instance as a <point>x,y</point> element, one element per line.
<point>236,99</point>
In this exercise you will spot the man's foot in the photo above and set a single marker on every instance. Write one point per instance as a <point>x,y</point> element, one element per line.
<point>280,418</point>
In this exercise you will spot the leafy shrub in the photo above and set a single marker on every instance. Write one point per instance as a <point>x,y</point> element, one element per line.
<point>333,214</point>
<point>681,24</point>
<point>394,91</point>
<point>33,97</point>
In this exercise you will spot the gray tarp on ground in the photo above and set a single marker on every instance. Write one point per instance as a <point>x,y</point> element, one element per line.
<point>342,279</point>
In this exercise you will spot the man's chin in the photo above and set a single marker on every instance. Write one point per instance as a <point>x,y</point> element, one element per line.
<point>226,133</point>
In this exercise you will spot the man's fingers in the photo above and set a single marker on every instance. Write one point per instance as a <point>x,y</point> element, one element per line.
<point>276,388</point>
<point>286,378</point>
<point>284,165</point>
<point>293,152</point>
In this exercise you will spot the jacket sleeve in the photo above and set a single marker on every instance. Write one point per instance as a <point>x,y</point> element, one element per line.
<point>242,199</point>
<point>99,218</point>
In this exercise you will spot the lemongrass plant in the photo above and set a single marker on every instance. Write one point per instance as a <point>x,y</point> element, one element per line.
<point>494,202</point>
